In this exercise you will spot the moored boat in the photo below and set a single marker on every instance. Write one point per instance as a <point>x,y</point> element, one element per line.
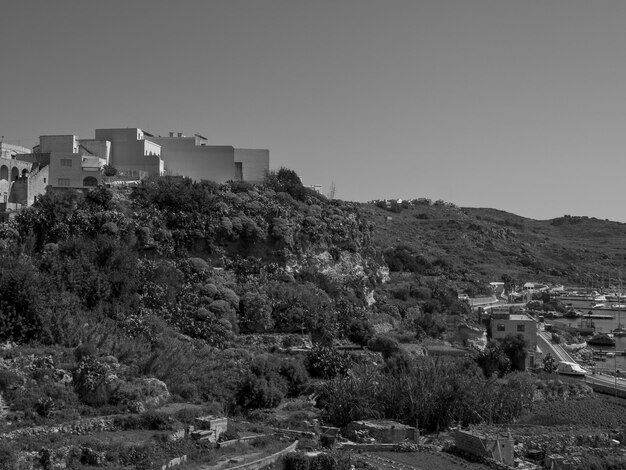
<point>572,314</point>
<point>598,316</point>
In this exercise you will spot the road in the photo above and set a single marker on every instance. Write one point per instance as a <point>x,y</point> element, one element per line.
<point>599,382</point>
<point>544,341</point>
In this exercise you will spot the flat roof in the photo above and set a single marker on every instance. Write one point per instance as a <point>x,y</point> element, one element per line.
<point>520,317</point>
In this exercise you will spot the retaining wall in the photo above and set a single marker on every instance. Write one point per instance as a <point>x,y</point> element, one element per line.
<point>608,389</point>
<point>499,448</point>
<point>174,462</point>
<point>265,461</point>
<point>371,447</point>
<point>242,439</point>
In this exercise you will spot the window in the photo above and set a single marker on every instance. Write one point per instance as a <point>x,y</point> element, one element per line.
<point>64,182</point>
<point>500,327</point>
<point>521,328</point>
<point>66,162</point>
<point>44,180</point>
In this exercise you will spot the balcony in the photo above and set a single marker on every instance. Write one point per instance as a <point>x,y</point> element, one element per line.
<point>92,163</point>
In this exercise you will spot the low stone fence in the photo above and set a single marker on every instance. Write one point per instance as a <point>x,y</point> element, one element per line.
<point>370,447</point>
<point>174,462</point>
<point>497,447</point>
<point>607,389</point>
<point>242,439</point>
<point>84,426</point>
<point>260,463</point>
<point>294,432</point>
<point>265,461</point>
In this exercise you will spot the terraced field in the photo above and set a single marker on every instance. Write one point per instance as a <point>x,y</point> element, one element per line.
<point>419,461</point>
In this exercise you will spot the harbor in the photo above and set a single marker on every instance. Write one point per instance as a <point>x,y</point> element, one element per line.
<point>613,355</point>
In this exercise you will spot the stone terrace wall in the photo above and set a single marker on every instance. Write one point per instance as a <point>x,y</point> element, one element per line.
<point>84,426</point>
<point>499,448</point>
<point>264,462</point>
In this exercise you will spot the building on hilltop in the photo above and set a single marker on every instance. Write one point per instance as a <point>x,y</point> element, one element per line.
<point>195,158</point>
<point>58,161</point>
<point>133,151</point>
<point>10,150</point>
<point>65,161</point>
<point>73,163</point>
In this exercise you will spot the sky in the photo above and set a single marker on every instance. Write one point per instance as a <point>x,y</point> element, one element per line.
<point>513,105</point>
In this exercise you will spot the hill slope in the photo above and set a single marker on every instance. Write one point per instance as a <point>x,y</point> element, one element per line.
<point>487,243</point>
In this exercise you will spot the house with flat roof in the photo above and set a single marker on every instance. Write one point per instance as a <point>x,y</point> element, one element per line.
<point>517,323</point>
<point>195,158</point>
<point>65,161</point>
<point>133,151</point>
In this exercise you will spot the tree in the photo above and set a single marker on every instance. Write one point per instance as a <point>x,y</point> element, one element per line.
<point>360,331</point>
<point>256,313</point>
<point>515,346</point>
<point>509,283</point>
<point>549,364</point>
<point>286,181</point>
<point>493,360</point>
<point>385,345</point>
<point>326,362</point>
<point>108,170</point>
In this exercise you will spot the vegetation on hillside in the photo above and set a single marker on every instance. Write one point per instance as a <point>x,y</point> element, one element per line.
<point>238,297</point>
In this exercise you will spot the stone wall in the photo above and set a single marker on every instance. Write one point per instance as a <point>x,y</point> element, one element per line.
<point>382,430</point>
<point>242,439</point>
<point>265,461</point>
<point>498,448</point>
<point>174,462</point>
<point>76,427</point>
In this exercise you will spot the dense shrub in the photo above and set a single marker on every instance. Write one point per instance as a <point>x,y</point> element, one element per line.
<point>93,381</point>
<point>429,393</point>
<point>360,331</point>
<point>326,362</point>
<point>8,455</point>
<point>385,345</point>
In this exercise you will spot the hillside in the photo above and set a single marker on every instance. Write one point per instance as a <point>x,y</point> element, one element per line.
<point>488,243</point>
<point>126,313</point>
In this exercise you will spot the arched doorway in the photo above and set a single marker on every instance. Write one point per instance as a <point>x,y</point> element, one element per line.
<point>15,173</point>
<point>4,172</point>
<point>90,181</point>
<point>24,173</point>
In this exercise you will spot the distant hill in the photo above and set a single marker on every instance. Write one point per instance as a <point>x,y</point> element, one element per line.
<point>488,243</point>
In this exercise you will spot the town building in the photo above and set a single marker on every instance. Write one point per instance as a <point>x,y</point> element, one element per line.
<point>65,161</point>
<point>195,158</point>
<point>517,323</point>
<point>133,152</point>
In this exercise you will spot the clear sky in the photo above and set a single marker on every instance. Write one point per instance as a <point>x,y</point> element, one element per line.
<point>518,105</point>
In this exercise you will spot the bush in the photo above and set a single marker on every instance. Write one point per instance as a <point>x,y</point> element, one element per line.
<point>92,382</point>
<point>326,362</point>
<point>9,380</point>
<point>385,345</point>
<point>295,374</point>
<point>8,456</point>
<point>260,392</point>
<point>360,331</point>
<point>85,350</point>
